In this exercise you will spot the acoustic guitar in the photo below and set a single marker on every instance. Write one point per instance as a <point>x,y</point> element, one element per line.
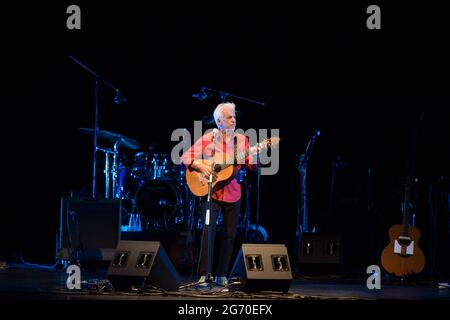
<point>198,183</point>
<point>403,257</point>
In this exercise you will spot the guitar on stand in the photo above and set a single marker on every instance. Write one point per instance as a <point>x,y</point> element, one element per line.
<point>403,257</point>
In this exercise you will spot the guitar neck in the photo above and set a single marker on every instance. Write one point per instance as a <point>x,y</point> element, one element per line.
<point>410,173</point>
<point>244,154</point>
<point>406,208</point>
<point>241,156</point>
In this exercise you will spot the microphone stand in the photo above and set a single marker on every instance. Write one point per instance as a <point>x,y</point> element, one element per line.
<point>304,162</point>
<point>302,214</point>
<point>258,184</point>
<point>118,99</point>
<point>206,226</point>
<point>210,251</point>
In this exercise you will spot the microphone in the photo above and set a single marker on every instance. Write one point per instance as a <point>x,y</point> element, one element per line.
<point>314,137</point>
<point>214,134</point>
<point>202,95</point>
<point>119,99</point>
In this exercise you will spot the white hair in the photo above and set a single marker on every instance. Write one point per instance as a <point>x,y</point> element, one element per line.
<point>218,112</point>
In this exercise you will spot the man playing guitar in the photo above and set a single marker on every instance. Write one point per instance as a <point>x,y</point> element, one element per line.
<point>220,146</point>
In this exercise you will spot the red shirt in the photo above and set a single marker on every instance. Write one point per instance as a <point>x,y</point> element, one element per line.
<point>230,190</point>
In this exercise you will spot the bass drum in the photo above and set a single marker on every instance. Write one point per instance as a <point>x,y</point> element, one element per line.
<point>160,199</point>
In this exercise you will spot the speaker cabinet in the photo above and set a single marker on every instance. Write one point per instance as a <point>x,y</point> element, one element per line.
<point>139,263</point>
<point>263,267</point>
<point>89,228</point>
<point>320,253</point>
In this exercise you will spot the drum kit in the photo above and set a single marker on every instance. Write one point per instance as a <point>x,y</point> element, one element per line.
<point>150,181</point>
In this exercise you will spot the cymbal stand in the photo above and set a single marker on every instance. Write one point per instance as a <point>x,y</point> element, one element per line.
<point>115,169</point>
<point>110,172</point>
<point>107,173</point>
<point>107,169</point>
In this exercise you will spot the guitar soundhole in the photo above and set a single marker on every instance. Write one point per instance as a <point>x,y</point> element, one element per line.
<point>404,242</point>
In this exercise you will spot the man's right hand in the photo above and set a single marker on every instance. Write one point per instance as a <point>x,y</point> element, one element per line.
<point>203,168</point>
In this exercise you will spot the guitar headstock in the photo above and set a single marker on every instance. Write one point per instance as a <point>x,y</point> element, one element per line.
<point>268,143</point>
<point>272,141</point>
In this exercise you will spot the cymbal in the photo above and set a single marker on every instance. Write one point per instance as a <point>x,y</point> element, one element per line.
<point>114,137</point>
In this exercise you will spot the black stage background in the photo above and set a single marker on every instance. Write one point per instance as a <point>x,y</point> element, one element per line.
<point>316,66</point>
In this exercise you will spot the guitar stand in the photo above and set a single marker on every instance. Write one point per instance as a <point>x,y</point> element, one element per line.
<point>408,280</point>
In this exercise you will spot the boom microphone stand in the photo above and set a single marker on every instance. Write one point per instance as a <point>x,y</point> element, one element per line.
<point>302,213</point>
<point>118,99</point>
<point>206,92</point>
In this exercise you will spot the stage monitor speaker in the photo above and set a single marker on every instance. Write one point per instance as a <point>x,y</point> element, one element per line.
<point>320,253</point>
<point>89,228</point>
<point>139,263</point>
<point>263,267</point>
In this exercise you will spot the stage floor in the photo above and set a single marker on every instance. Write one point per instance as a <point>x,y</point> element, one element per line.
<point>23,282</point>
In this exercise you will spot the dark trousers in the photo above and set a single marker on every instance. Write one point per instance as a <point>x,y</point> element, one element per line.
<point>230,213</point>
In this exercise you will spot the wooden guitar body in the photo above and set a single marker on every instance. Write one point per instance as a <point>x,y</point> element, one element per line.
<point>198,184</point>
<point>403,264</point>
